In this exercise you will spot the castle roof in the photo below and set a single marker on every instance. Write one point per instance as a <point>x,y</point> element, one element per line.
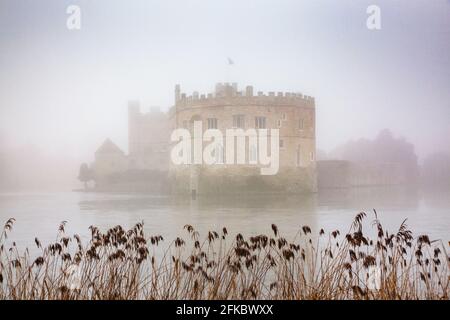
<point>109,147</point>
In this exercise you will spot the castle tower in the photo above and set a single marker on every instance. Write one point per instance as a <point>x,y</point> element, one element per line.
<point>134,114</point>
<point>147,138</point>
<point>293,114</point>
<point>177,93</point>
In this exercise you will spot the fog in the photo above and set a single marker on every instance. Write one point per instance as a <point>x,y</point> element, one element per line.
<point>62,92</point>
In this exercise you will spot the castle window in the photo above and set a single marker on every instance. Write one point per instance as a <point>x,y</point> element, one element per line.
<point>239,121</point>
<point>311,156</point>
<point>281,143</point>
<point>284,116</point>
<point>279,123</point>
<point>301,124</point>
<point>212,123</point>
<point>298,157</point>
<point>260,122</point>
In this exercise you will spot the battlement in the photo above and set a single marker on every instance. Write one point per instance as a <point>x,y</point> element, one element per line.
<point>134,109</point>
<point>228,94</point>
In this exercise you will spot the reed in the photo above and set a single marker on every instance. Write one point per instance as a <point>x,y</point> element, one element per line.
<point>127,264</point>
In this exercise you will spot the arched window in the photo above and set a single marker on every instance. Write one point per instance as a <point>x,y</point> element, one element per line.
<point>212,123</point>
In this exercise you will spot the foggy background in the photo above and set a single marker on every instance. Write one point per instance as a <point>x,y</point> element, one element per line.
<point>63,92</point>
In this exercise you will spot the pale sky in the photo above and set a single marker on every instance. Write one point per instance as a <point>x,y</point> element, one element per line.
<point>66,91</point>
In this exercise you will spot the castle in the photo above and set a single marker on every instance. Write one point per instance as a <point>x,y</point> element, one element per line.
<point>293,114</point>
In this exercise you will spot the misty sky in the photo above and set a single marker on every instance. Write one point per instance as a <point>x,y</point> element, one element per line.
<point>66,91</point>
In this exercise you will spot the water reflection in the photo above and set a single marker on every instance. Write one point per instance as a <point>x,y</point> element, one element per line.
<point>428,211</point>
<point>375,197</point>
<point>250,215</point>
<point>437,198</point>
<point>137,203</point>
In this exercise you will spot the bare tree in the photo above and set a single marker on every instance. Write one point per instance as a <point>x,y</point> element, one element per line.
<point>85,175</point>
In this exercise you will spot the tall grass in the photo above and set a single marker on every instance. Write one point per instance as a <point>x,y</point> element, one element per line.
<point>126,264</point>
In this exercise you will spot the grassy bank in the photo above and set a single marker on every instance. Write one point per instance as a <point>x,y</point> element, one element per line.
<point>127,264</point>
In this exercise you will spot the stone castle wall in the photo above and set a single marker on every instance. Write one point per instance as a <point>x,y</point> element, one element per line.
<point>149,144</point>
<point>148,137</point>
<point>293,114</point>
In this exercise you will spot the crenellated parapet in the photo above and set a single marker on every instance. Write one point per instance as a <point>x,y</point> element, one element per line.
<point>227,94</point>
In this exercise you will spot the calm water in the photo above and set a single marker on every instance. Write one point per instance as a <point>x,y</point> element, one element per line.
<point>39,214</point>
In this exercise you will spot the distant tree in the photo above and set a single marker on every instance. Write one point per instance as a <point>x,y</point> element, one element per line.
<point>436,169</point>
<point>384,149</point>
<point>85,175</point>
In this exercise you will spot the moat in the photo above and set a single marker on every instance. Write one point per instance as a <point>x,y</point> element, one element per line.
<point>39,214</point>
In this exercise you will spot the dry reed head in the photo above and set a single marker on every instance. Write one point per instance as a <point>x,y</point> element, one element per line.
<point>126,264</point>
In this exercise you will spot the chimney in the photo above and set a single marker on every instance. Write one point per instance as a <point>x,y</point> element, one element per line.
<point>177,93</point>
<point>249,91</point>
